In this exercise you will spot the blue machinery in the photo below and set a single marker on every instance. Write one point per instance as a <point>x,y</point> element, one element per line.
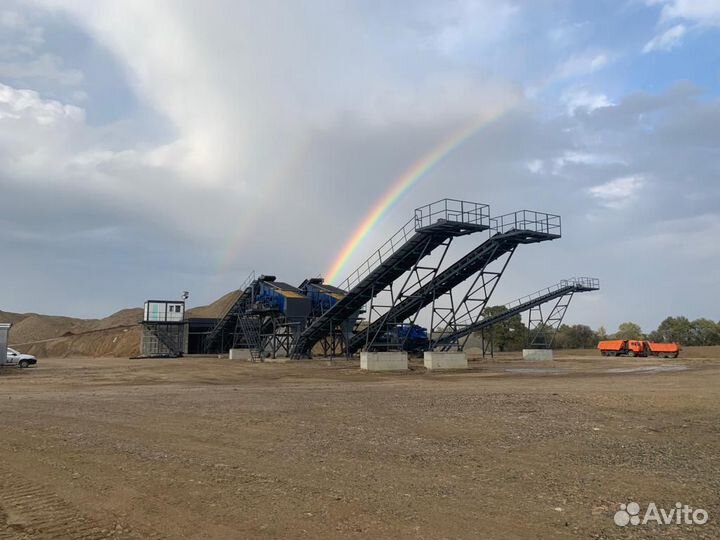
<point>395,284</point>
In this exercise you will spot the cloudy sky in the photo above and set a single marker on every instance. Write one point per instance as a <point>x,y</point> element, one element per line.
<point>152,147</point>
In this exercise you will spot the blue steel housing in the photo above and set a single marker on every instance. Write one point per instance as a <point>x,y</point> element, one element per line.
<point>322,296</point>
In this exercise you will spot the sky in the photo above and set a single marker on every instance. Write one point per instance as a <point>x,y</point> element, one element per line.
<point>148,148</point>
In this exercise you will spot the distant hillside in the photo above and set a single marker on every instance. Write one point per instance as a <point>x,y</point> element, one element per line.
<point>116,335</point>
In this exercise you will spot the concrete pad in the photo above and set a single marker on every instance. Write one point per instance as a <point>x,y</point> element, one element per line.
<point>384,361</point>
<point>537,354</point>
<point>240,354</point>
<point>445,360</point>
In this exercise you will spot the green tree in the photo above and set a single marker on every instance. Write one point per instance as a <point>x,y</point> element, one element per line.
<point>629,330</point>
<point>677,329</point>
<point>602,333</point>
<point>704,332</point>
<point>509,335</point>
<point>577,336</point>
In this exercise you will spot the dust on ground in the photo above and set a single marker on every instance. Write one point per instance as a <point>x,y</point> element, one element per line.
<point>211,448</point>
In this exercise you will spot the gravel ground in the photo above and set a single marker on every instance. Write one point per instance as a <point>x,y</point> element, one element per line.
<point>208,448</point>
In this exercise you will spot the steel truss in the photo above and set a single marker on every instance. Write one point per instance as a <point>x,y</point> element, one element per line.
<point>543,323</point>
<point>507,232</point>
<point>431,227</point>
<point>278,336</point>
<point>547,309</point>
<point>384,335</point>
<point>444,320</point>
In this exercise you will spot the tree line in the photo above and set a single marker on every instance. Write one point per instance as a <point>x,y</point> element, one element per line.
<point>512,334</point>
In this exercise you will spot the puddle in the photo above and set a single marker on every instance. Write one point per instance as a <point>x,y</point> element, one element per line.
<point>647,369</point>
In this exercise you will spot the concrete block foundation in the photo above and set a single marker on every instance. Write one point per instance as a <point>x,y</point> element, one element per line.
<point>537,354</point>
<point>240,354</point>
<point>383,361</point>
<point>445,360</point>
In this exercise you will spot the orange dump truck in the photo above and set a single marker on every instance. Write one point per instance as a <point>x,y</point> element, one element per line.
<point>638,347</point>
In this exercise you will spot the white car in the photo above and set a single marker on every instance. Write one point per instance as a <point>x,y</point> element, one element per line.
<point>19,359</point>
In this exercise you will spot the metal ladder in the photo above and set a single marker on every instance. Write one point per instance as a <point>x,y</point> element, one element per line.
<point>250,328</point>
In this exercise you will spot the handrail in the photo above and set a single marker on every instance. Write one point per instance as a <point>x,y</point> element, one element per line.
<point>245,284</point>
<point>452,210</point>
<point>527,220</point>
<point>576,283</point>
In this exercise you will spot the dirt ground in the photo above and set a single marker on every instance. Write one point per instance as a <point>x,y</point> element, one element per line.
<point>208,448</point>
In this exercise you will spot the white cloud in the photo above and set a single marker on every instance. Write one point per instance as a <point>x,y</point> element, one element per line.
<point>306,113</point>
<point>18,104</point>
<point>284,78</point>
<point>582,64</point>
<point>666,41</point>
<point>705,12</point>
<point>469,23</point>
<point>575,157</point>
<point>583,99</point>
<point>618,193</point>
<point>535,166</point>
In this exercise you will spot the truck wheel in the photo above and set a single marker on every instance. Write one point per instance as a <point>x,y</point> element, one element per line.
<point>675,355</point>
<point>631,353</point>
<point>23,364</point>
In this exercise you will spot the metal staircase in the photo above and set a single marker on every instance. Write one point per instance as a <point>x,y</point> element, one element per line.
<point>431,226</point>
<point>507,232</point>
<point>560,291</point>
<point>174,349</point>
<point>227,321</point>
<point>251,329</point>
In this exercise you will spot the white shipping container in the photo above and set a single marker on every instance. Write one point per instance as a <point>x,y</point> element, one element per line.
<point>4,331</point>
<point>164,311</point>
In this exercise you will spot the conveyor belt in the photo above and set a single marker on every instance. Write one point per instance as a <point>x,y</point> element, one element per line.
<point>227,322</point>
<point>521,305</point>
<point>530,231</point>
<point>431,226</point>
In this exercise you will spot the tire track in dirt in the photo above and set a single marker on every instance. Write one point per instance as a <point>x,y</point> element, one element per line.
<point>30,511</point>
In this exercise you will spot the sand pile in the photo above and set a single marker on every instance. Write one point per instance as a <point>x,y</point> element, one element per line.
<point>217,308</point>
<point>116,335</point>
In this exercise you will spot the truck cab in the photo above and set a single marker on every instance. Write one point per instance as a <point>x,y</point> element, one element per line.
<point>636,348</point>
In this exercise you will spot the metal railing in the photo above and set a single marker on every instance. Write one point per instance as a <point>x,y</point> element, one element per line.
<point>223,319</point>
<point>380,255</point>
<point>586,283</point>
<point>452,210</point>
<point>583,282</point>
<point>527,220</point>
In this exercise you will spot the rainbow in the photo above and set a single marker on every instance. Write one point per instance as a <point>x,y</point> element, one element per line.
<point>399,187</point>
<point>246,219</point>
